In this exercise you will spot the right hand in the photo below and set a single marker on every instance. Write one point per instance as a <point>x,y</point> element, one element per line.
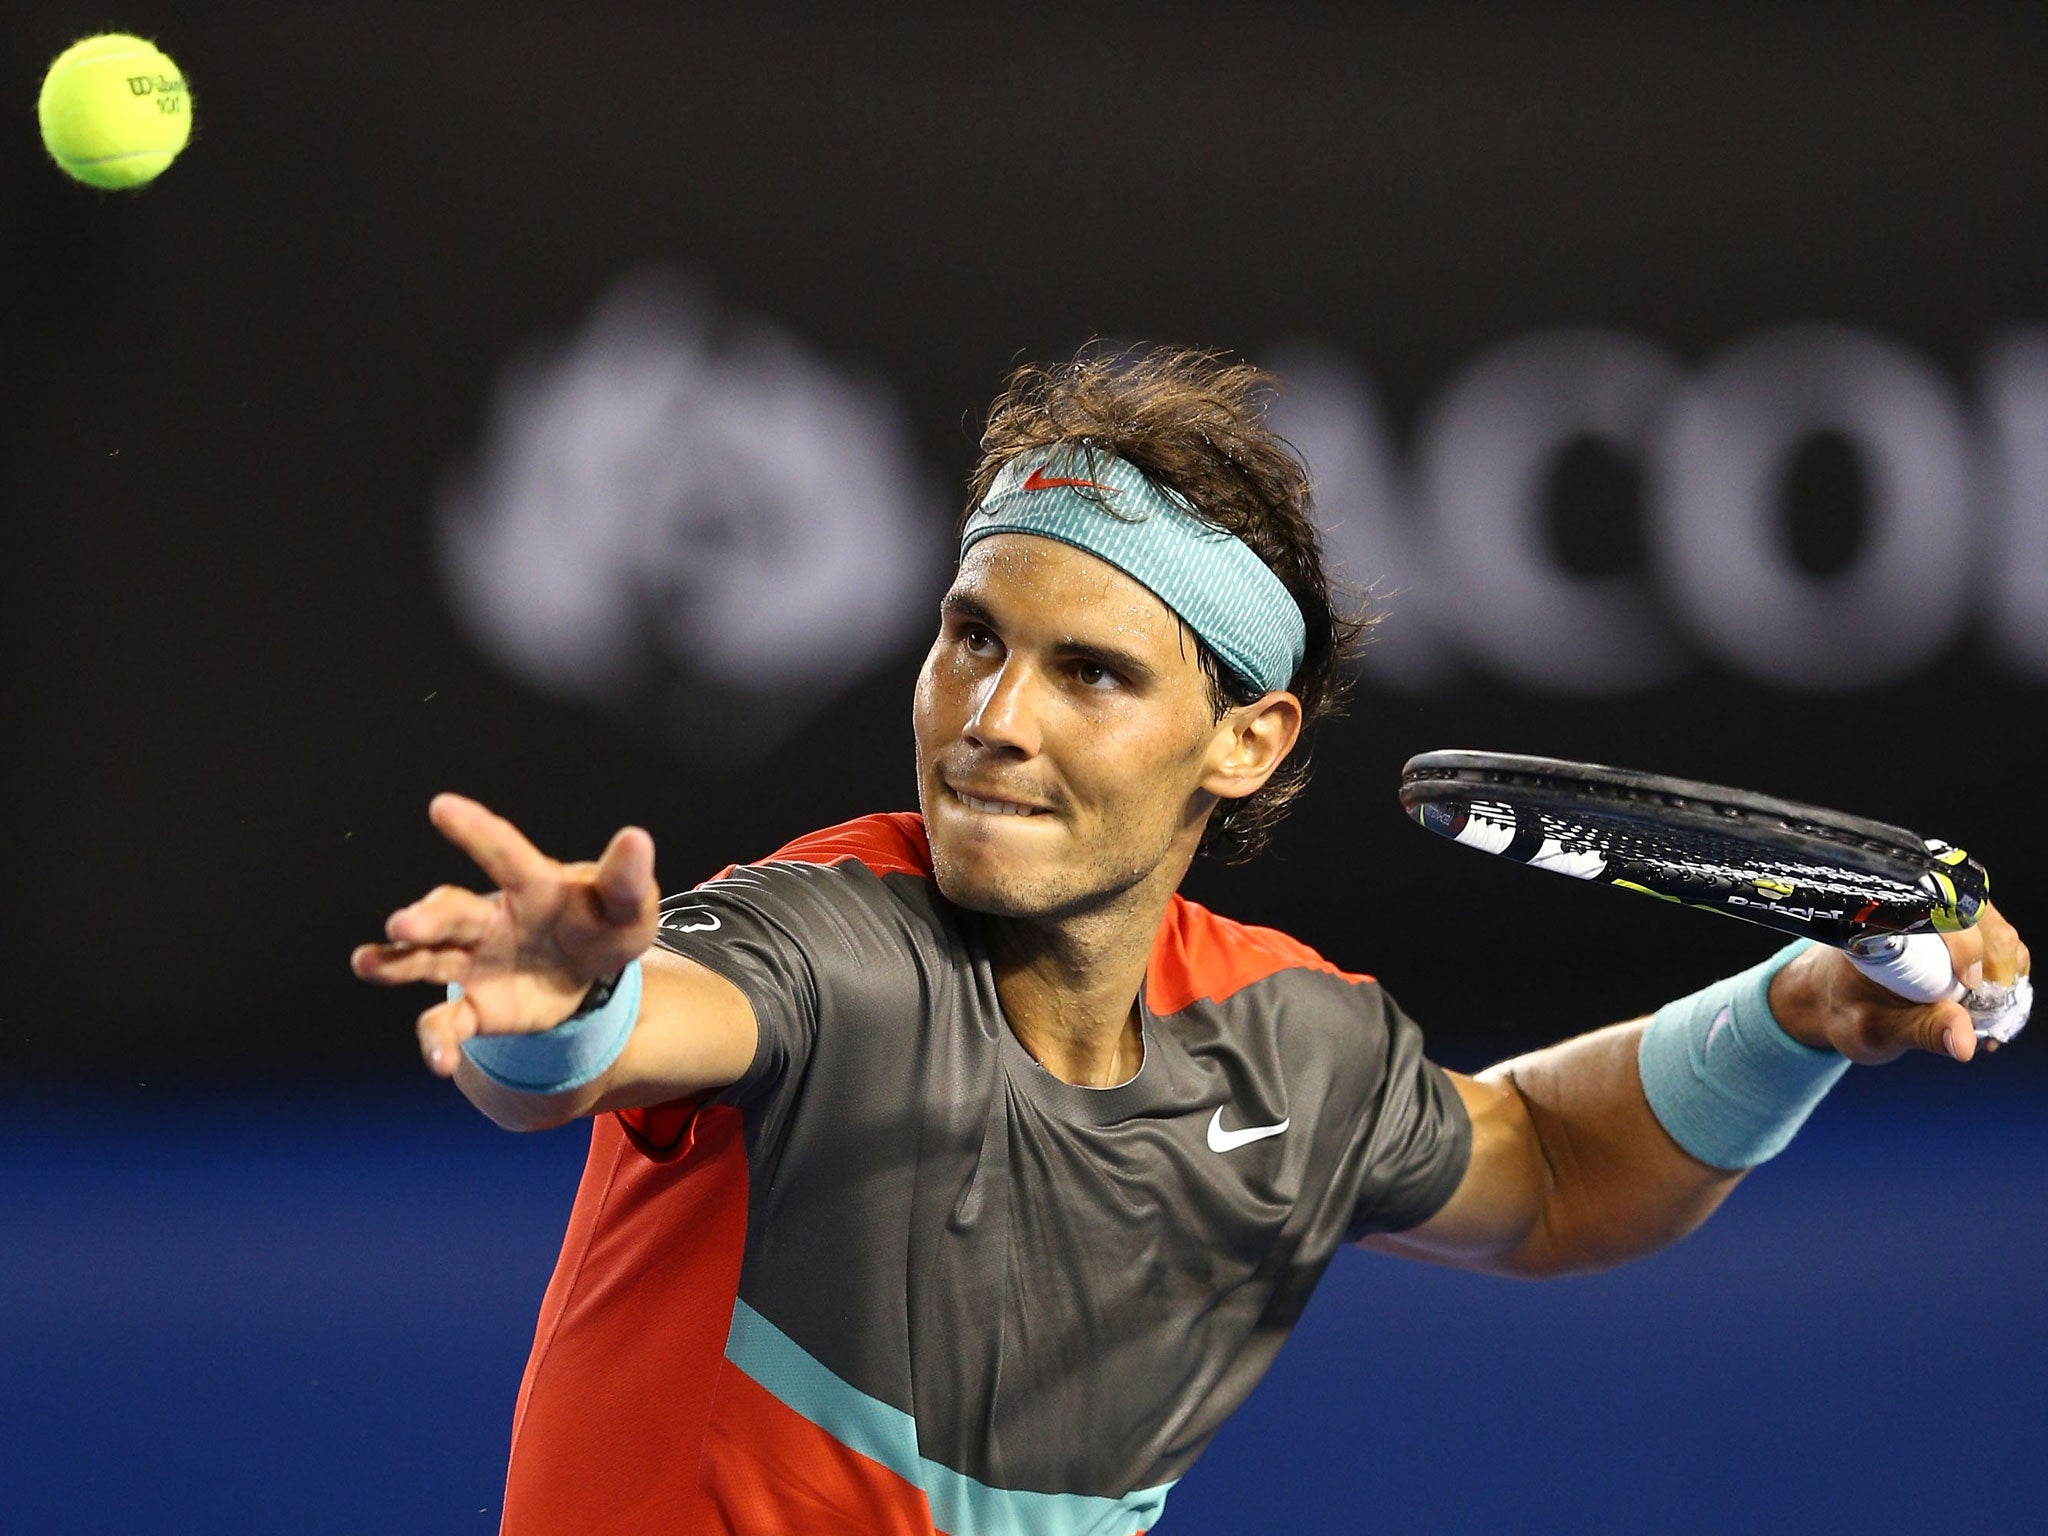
<point>525,954</point>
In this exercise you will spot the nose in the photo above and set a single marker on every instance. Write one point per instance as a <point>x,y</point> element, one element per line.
<point>1005,718</point>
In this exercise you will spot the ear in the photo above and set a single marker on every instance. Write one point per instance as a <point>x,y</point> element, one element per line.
<point>1250,742</point>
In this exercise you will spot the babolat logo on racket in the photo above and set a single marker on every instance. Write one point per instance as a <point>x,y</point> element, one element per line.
<point>1784,908</point>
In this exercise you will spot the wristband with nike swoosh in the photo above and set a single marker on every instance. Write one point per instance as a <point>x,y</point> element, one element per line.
<point>1724,1078</point>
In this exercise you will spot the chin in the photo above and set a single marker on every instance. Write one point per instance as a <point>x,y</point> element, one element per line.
<point>999,885</point>
<point>983,881</point>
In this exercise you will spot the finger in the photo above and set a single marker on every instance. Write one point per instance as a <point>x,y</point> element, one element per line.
<point>499,848</point>
<point>2001,946</point>
<point>395,965</point>
<point>374,962</point>
<point>445,915</point>
<point>625,875</point>
<point>1965,950</point>
<point>1947,1030</point>
<point>442,1029</point>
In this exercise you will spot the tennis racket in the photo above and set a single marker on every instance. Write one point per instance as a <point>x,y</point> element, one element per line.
<point>1882,894</point>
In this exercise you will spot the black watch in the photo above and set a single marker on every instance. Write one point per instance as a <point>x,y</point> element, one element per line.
<point>599,994</point>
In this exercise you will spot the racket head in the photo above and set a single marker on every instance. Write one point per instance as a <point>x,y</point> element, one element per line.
<point>1801,869</point>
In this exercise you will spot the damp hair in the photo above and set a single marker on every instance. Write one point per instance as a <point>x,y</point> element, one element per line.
<point>1195,423</point>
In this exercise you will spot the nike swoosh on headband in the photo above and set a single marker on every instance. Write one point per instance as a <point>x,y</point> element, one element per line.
<point>1207,575</point>
<point>1039,480</point>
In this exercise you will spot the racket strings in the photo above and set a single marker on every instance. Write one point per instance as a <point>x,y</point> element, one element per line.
<point>1797,868</point>
<point>1698,855</point>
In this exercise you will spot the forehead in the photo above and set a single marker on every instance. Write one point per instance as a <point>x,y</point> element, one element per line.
<point>1030,582</point>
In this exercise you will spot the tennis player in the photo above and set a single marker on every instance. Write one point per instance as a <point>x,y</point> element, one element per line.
<point>950,1172</point>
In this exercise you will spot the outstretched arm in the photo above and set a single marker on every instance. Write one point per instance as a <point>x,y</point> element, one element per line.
<point>1572,1170</point>
<point>525,955</point>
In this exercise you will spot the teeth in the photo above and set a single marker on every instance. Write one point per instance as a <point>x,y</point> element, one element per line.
<point>994,807</point>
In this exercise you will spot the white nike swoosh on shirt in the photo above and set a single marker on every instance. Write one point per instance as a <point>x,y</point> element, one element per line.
<point>1221,1140</point>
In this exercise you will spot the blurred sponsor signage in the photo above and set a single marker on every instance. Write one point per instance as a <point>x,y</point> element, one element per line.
<point>1954,519</point>
<point>679,506</point>
<point>680,509</point>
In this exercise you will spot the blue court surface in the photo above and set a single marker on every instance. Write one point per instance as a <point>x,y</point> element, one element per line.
<point>309,1315</point>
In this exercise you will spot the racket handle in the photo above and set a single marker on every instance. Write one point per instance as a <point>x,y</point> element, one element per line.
<point>1915,966</point>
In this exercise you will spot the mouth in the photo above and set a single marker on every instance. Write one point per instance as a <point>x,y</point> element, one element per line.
<point>989,805</point>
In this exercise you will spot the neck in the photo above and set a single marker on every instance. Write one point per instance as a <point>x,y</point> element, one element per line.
<point>1069,985</point>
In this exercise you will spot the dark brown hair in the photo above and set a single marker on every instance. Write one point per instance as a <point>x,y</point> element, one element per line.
<point>1195,423</point>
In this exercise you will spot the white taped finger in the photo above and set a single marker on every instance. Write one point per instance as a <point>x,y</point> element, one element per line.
<point>1913,966</point>
<point>2000,1012</point>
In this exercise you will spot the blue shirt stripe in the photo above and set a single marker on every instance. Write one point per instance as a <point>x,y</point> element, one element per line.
<point>960,1505</point>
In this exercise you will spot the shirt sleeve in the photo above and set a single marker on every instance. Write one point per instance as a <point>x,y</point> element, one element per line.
<point>764,928</point>
<point>1414,1139</point>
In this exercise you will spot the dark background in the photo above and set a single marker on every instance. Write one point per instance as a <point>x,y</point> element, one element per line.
<point>230,404</point>
<point>231,398</point>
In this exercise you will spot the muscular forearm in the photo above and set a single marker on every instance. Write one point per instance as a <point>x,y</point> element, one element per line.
<point>1612,1145</point>
<point>694,1033</point>
<point>1570,1169</point>
<point>1616,1186</point>
<point>517,1111</point>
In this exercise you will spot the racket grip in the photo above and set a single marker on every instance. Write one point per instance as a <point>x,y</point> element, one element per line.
<point>1914,966</point>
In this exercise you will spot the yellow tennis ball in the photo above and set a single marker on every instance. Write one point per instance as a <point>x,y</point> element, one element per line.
<point>114,110</point>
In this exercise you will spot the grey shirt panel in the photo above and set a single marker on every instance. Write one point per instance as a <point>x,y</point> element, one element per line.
<point>1067,1288</point>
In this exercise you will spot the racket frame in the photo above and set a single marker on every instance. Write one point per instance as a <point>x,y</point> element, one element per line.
<point>1954,884</point>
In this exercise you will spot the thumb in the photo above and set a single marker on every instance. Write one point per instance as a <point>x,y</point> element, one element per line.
<point>1946,1029</point>
<point>625,875</point>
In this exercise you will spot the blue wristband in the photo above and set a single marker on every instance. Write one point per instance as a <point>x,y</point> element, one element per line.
<point>1724,1078</point>
<point>574,1052</point>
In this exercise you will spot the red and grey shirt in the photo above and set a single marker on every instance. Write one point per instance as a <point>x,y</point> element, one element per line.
<point>900,1278</point>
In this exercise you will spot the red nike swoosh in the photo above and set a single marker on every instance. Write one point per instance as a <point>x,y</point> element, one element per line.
<point>1039,480</point>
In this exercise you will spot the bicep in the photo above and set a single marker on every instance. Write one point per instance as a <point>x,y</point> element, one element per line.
<point>1499,1201</point>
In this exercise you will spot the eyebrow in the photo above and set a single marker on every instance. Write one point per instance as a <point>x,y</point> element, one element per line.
<point>959,607</point>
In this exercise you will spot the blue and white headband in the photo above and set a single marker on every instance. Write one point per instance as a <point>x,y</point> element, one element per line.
<point>1107,506</point>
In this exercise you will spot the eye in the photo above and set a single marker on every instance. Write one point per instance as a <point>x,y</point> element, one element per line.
<point>1094,675</point>
<point>977,639</point>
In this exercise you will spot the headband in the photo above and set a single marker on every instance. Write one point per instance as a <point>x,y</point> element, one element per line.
<point>1097,502</point>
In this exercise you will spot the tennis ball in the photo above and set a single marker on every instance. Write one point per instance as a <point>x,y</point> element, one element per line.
<point>114,111</point>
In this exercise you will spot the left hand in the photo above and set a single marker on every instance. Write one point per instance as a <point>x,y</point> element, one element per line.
<point>1823,1001</point>
<point>526,954</point>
